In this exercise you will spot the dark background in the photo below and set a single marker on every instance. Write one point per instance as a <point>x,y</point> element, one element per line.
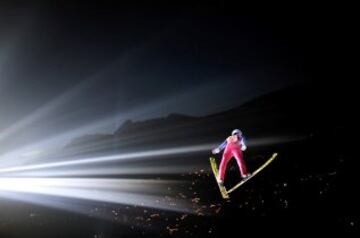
<point>270,69</point>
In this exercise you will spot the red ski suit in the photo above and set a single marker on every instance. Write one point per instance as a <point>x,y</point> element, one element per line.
<point>232,149</point>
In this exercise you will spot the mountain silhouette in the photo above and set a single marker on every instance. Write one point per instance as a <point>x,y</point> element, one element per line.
<point>276,113</point>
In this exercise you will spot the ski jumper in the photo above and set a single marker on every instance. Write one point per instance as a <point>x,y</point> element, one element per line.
<point>234,147</point>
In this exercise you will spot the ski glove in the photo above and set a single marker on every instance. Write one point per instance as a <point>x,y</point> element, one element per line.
<point>216,151</point>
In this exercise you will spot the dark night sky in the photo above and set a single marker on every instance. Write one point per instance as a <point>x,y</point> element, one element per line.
<point>68,69</point>
<point>104,61</point>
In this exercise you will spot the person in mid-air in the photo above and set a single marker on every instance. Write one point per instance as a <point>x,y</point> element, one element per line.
<point>233,146</point>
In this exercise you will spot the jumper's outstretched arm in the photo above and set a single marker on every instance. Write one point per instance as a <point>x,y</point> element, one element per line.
<point>220,147</point>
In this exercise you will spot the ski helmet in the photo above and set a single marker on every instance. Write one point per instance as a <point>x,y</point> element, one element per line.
<point>236,132</point>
